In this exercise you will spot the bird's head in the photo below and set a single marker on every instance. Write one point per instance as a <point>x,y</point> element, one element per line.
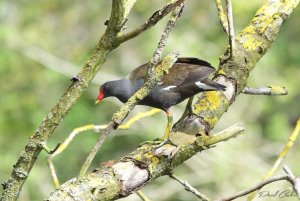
<point>104,92</point>
<point>116,88</point>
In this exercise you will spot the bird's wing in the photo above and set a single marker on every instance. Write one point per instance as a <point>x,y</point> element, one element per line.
<point>138,73</point>
<point>184,72</point>
<point>187,71</point>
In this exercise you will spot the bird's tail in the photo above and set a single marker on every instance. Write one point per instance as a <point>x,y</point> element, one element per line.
<point>210,85</point>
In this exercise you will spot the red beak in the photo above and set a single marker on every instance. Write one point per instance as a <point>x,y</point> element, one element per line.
<point>100,96</point>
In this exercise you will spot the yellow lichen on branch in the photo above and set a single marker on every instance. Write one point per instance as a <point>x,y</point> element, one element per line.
<point>128,4</point>
<point>277,90</point>
<point>251,44</point>
<point>208,105</point>
<point>132,172</point>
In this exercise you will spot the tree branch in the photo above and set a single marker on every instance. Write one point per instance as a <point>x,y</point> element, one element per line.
<point>155,74</point>
<point>287,147</point>
<point>269,90</point>
<point>222,16</point>
<point>251,44</point>
<point>156,17</point>
<point>288,177</point>
<point>295,181</point>
<point>230,26</point>
<point>28,157</point>
<point>107,43</point>
<point>189,188</point>
<point>256,187</point>
<point>90,127</point>
<point>136,169</point>
<point>142,166</point>
<point>142,196</point>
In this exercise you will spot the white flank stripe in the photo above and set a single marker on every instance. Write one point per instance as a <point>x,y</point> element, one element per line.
<point>203,86</point>
<point>168,88</point>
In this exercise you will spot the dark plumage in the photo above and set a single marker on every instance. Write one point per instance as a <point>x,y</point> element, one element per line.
<point>187,77</point>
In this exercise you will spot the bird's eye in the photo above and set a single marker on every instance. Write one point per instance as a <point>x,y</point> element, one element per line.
<point>106,87</point>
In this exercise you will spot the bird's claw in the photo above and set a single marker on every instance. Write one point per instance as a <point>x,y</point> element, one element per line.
<point>154,142</point>
<point>164,142</point>
<point>159,143</point>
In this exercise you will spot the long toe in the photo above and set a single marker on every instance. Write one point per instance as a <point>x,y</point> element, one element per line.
<point>154,142</point>
<point>168,141</point>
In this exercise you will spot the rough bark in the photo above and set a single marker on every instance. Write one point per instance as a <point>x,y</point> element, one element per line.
<point>110,40</point>
<point>143,165</point>
<point>22,168</point>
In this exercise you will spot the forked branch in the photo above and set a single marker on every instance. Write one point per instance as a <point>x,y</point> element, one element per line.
<point>294,181</point>
<point>155,74</point>
<point>107,43</point>
<point>136,169</point>
<point>142,165</point>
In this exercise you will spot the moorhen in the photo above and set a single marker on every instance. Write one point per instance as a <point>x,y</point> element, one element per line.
<point>187,77</point>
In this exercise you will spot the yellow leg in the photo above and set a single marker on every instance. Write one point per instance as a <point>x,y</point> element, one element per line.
<point>169,125</point>
<point>166,137</point>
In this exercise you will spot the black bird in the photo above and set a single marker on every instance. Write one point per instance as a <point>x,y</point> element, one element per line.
<point>187,77</point>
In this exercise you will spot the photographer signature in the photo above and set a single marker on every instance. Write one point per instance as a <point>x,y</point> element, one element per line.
<point>278,194</point>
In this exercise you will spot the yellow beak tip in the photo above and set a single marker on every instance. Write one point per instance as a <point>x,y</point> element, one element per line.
<point>97,101</point>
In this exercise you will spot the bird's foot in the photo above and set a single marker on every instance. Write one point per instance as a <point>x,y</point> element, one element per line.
<point>164,142</point>
<point>156,141</point>
<point>159,143</point>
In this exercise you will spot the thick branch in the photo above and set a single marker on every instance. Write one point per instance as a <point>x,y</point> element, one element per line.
<point>251,44</point>
<point>154,76</point>
<point>142,166</point>
<point>108,42</point>
<point>28,157</point>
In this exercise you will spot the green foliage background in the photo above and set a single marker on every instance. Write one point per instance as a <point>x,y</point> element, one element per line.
<point>68,30</point>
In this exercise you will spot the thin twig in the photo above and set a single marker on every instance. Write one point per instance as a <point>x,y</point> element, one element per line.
<point>288,171</point>
<point>96,128</point>
<point>256,187</point>
<point>28,157</point>
<point>153,20</point>
<point>269,90</point>
<point>222,16</point>
<point>285,149</point>
<point>111,126</point>
<point>230,26</point>
<point>294,180</point>
<point>189,188</point>
<point>282,155</point>
<point>142,195</point>
<point>226,134</point>
<point>152,80</point>
<point>54,177</point>
<point>103,176</point>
